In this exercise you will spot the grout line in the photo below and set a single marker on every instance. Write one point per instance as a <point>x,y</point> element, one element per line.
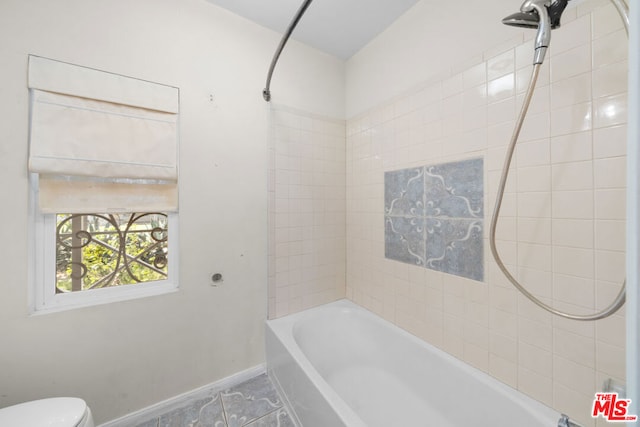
<point>262,416</point>
<point>224,410</point>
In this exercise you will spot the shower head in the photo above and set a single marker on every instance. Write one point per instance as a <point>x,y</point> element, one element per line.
<point>532,19</point>
<point>522,20</point>
<point>530,15</point>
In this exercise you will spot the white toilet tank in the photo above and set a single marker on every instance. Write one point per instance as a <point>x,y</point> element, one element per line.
<point>53,412</point>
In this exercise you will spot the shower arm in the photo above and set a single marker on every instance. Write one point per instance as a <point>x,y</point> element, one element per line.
<point>266,92</point>
<point>620,298</point>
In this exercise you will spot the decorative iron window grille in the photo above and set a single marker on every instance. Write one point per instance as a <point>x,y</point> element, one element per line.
<point>105,250</point>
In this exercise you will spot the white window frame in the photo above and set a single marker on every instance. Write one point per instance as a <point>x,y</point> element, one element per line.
<point>42,259</point>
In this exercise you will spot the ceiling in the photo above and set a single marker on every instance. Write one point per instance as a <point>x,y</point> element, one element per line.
<point>337,27</point>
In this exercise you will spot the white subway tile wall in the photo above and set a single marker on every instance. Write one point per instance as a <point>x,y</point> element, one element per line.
<point>307,208</point>
<point>561,229</point>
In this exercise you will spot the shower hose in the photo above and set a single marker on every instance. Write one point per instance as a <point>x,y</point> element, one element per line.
<point>620,298</point>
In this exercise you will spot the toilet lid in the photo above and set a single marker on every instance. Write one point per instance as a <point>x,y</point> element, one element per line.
<point>53,412</point>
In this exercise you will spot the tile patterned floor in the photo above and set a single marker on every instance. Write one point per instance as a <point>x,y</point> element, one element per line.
<point>254,403</point>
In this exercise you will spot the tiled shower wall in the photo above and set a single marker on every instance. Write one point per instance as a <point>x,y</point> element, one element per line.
<point>307,211</point>
<point>561,230</point>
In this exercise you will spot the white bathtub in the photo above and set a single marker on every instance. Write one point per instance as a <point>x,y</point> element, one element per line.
<point>340,365</point>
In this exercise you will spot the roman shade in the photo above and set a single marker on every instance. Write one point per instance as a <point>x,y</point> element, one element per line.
<point>101,142</point>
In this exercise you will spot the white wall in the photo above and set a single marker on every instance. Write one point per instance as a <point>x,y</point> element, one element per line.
<point>124,356</point>
<point>427,40</point>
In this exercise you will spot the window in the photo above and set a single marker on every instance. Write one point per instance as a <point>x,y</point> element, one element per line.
<point>81,260</point>
<point>104,186</point>
<point>95,251</point>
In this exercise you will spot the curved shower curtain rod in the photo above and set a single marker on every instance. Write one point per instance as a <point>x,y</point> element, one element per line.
<point>266,93</point>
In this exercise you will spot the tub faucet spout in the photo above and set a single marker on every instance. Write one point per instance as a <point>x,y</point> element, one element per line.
<point>565,421</point>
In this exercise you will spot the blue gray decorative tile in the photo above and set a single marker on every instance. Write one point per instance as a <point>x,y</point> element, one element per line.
<point>205,412</point>
<point>404,192</point>
<point>404,239</point>
<point>278,418</point>
<point>150,423</point>
<point>446,200</point>
<point>212,414</point>
<point>455,246</point>
<point>253,403</point>
<point>455,190</point>
<point>250,401</point>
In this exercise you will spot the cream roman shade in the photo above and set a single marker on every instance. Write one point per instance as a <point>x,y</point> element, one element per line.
<point>101,142</point>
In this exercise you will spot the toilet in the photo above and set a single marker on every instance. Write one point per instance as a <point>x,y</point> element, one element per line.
<point>52,412</point>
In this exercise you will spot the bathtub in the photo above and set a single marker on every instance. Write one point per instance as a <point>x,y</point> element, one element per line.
<point>340,365</point>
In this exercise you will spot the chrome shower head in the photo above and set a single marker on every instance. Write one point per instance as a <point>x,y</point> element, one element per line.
<point>532,19</point>
<point>530,15</point>
<point>522,20</point>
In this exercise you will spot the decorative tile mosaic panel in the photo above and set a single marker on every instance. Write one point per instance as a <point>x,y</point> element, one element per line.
<point>434,217</point>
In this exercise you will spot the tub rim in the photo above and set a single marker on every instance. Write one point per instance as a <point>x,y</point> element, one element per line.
<point>284,330</point>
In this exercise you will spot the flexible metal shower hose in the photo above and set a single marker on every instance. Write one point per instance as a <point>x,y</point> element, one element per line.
<point>620,298</point>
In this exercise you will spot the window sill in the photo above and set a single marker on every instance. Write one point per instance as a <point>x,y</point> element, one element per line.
<point>69,301</point>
